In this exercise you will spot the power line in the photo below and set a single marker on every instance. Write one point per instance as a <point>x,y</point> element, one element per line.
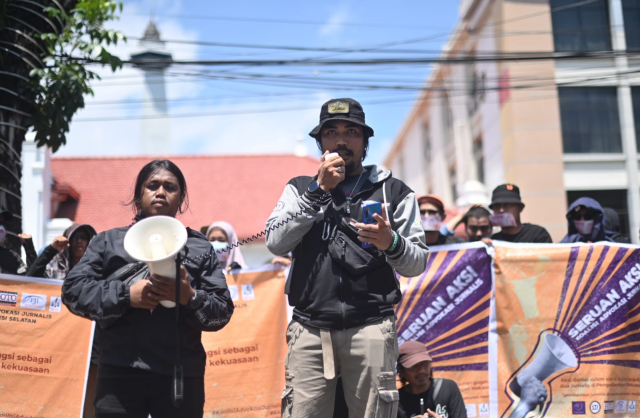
<point>527,56</point>
<point>282,21</point>
<point>386,101</point>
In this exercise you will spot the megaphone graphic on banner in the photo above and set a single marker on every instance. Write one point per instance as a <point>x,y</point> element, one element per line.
<point>554,355</point>
<point>156,241</point>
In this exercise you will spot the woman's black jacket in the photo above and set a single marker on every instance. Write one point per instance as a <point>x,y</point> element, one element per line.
<point>141,338</point>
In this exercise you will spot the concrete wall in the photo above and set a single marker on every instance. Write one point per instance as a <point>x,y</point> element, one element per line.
<point>531,131</point>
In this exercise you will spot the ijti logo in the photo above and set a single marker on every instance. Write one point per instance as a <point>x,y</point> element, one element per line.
<point>55,304</point>
<point>247,292</point>
<point>233,289</point>
<point>632,407</point>
<point>595,407</point>
<point>471,410</point>
<point>31,301</point>
<point>484,409</point>
<point>8,298</point>
<point>608,407</point>
<point>621,407</point>
<point>578,408</point>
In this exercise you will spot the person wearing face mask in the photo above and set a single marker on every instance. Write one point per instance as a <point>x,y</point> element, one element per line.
<point>507,206</point>
<point>221,235</point>
<point>432,215</point>
<point>55,262</point>
<point>585,220</point>
<point>10,261</point>
<point>64,252</point>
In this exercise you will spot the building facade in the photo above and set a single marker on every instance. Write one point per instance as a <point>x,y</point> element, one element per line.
<point>239,189</point>
<point>560,126</point>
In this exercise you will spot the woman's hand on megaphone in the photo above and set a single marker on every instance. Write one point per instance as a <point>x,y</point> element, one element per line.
<point>164,288</point>
<point>141,297</point>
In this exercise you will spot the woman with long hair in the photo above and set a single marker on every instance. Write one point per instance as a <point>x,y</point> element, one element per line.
<point>138,338</point>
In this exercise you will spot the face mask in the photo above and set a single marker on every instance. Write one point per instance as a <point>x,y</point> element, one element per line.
<point>223,255</point>
<point>584,227</point>
<point>431,222</point>
<point>3,233</point>
<point>503,220</point>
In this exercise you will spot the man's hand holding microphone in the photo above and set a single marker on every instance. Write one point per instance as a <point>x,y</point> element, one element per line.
<point>331,171</point>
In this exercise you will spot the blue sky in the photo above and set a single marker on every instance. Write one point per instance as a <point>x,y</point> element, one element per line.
<point>262,116</point>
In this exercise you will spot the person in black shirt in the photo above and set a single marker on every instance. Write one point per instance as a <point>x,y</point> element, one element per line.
<point>612,226</point>
<point>421,395</point>
<point>507,206</point>
<point>477,224</point>
<point>146,349</point>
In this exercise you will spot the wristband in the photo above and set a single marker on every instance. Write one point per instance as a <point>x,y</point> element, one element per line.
<point>395,241</point>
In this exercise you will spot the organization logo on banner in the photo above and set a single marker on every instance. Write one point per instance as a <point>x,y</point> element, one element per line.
<point>608,407</point>
<point>621,407</point>
<point>8,298</point>
<point>484,409</point>
<point>247,292</point>
<point>471,410</point>
<point>632,407</point>
<point>595,407</point>
<point>55,304</point>
<point>233,289</point>
<point>578,408</point>
<point>32,301</point>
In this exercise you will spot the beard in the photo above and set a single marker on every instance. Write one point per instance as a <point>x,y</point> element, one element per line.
<point>350,167</point>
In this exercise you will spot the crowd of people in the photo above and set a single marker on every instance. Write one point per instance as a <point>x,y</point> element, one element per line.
<point>343,357</point>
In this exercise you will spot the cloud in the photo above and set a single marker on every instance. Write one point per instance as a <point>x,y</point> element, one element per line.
<point>250,133</point>
<point>335,24</point>
<point>126,85</point>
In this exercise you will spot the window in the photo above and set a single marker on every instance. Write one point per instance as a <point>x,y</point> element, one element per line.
<point>453,183</point>
<point>426,144</point>
<point>590,122</point>
<point>631,13</point>
<point>635,96</point>
<point>581,28</point>
<point>426,149</point>
<point>478,156</point>
<point>447,118</point>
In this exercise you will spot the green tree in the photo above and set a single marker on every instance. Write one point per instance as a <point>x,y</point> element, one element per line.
<point>46,50</point>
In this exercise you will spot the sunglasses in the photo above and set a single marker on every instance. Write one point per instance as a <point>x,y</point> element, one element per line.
<point>485,229</point>
<point>429,212</point>
<point>77,238</point>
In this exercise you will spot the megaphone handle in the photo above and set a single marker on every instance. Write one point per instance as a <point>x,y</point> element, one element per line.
<point>178,386</point>
<point>178,381</point>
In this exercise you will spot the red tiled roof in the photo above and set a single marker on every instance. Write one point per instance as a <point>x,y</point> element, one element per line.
<point>242,190</point>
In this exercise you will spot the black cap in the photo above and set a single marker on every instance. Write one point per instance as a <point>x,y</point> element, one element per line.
<point>341,109</point>
<point>506,193</point>
<point>6,215</point>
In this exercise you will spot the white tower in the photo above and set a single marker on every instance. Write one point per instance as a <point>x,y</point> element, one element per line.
<point>153,60</point>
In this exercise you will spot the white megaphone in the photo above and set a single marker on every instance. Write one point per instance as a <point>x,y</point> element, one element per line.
<point>554,356</point>
<point>156,241</point>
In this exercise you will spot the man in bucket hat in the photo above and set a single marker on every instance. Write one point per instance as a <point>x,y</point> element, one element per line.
<point>342,281</point>
<point>507,206</point>
<point>421,395</point>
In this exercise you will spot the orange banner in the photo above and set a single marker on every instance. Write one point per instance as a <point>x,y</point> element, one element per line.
<point>567,325</point>
<point>44,351</point>
<point>245,360</point>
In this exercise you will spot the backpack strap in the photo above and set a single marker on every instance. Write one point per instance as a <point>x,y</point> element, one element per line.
<point>436,389</point>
